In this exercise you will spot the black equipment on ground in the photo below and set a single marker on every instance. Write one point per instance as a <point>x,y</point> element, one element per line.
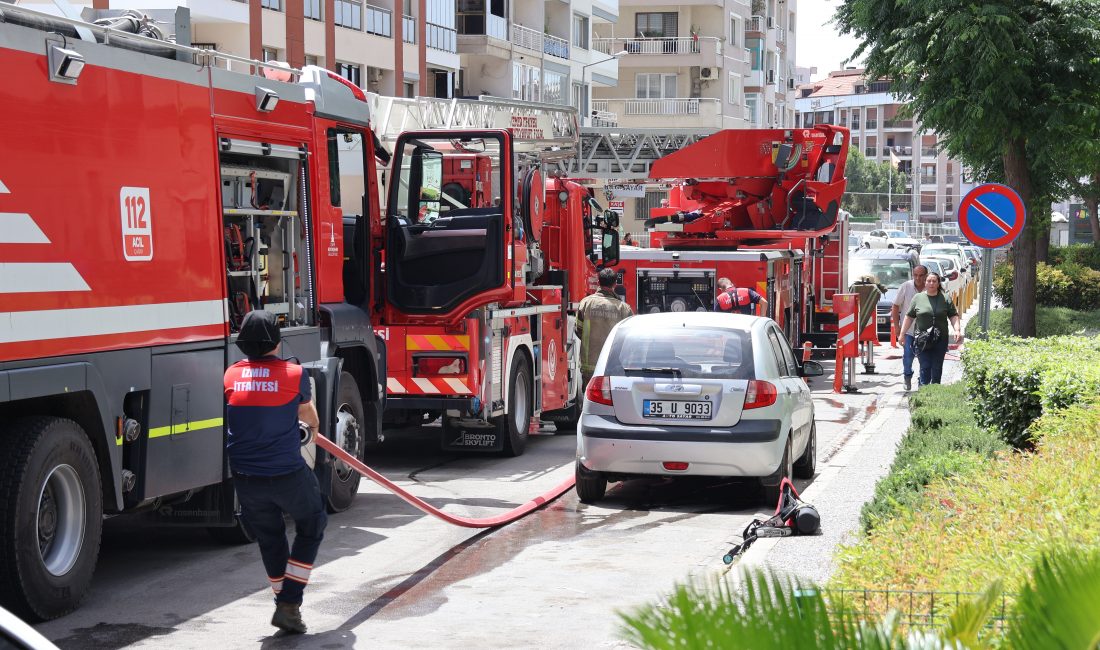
<point>792,517</point>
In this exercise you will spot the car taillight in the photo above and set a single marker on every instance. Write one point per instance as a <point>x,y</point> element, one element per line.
<point>759,394</point>
<point>599,391</point>
<point>436,366</point>
<point>674,466</point>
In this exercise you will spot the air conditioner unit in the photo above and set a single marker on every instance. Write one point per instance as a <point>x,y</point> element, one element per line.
<point>709,74</point>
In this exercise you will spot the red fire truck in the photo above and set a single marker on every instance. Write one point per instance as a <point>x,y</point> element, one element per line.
<point>761,207</point>
<point>148,199</point>
<point>479,294</point>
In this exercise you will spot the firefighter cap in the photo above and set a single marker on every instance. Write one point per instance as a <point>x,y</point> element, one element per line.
<point>259,333</point>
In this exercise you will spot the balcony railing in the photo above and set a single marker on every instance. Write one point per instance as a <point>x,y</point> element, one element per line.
<point>672,106</point>
<point>872,124</point>
<point>927,208</point>
<point>657,45</point>
<point>408,29</point>
<point>555,46</point>
<point>898,124</point>
<point>855,125</point>
<point>927,180</point>
<point>379,21</point>
<point>527,37</point>
<point>496,26</point>
<point>755,24</point>
<point>441,38</point>
<point>929,152</point>
<point>871,152</point>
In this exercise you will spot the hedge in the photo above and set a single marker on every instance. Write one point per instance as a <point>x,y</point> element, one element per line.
<point>991,521</point>
<point>1083,254</point>
<point>943,439</point>
<point>1012,381</point>
<point>1067,285</point>
<point>1049,321</point>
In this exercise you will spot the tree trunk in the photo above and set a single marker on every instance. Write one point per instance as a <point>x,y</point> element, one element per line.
<point>1042,237</point>
<point>1018,177</point>
<point>1093,203</point>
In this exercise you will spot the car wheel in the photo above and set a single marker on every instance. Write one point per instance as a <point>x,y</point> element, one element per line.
<point>865,245</point>
<point>350,421</point>
<point>772,491</point>
<point>513,425</point>
<point>890,246</point>
<point>52,512</point>
<point>591,486</point>
<point>806,465</point>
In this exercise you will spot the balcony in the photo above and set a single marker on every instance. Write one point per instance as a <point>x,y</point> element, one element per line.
<point>903,151</point>
<point>481,24</point>
<point>408,29</point>
<point>929,152</point>
<point>705,51</point>
<point>379,21</point>
<point>756,26</point>
<point>755,79</point>
<point>927,179</point>
<point>601,116</point>
<point>871,152</point>
<point>855,125</point>
<point>438,37</point>
<point>691,112</point>
<point>872,125</point>
<point>527,38</point>
<point>554,46</point>
<point>898,124</point>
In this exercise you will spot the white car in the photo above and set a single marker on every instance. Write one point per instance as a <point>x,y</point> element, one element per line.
<point>696,394</point>
<point>889,239</point>
<point>961,257</point>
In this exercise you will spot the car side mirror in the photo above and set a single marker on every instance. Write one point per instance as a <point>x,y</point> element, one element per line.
<point>610,246</point>
<point>954,275</point>
<point>812,369</point>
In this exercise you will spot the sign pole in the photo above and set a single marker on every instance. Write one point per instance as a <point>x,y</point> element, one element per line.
<point>986,302</point>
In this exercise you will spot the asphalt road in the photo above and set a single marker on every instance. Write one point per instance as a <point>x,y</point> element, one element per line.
<point>389,576</point>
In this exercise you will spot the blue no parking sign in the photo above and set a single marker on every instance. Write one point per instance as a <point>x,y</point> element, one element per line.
<point>992,215</point>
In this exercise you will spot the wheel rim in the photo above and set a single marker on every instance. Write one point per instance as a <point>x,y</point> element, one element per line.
<point>521,417</point>
<point>349,435</point>
<point>60,519</point>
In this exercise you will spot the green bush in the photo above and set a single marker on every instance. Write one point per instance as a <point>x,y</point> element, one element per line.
<point>1049,321</point>
<point>1070,284</point>
<point>943,440</point>
<point>1083,254</point>
<point>1012,381</point>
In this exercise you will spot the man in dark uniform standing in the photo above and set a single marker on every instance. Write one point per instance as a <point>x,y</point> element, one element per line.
<point>266,398</point>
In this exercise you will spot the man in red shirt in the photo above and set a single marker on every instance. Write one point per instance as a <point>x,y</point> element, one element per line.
<point>266,397</point>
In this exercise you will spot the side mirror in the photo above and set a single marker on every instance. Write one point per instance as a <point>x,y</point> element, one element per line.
<point>611,218</point>
<point>812,369</point>
<point>610,247</point>
<point>954,275</point>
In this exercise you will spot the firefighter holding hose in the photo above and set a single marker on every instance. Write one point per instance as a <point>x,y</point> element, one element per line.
<point>266,398</point>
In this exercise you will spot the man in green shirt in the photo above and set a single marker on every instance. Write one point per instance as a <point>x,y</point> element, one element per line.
<point>596,316</point>
<point>931,308</point>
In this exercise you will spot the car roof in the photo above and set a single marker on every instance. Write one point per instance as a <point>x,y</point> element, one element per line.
<point>707,319</point>
<point>878,253</point>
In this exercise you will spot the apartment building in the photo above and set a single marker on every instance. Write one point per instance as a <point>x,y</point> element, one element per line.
<point>708,64</point>
<point>391,47</point>
<point>534,50</point>
<point>934,183</point>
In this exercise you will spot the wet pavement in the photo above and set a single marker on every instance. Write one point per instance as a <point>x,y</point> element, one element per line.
<point>389,576</point>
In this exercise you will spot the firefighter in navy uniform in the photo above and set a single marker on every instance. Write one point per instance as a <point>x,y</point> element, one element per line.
<point>740,300</point>
<point>266,397</point>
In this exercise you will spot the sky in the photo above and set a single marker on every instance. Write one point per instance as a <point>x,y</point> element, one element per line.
<point>818,44</point>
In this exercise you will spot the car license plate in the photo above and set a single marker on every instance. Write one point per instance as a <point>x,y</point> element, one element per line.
<point>673,410</point>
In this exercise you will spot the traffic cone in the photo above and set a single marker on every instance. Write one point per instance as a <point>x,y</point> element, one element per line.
<point>838,372</point>
<point>893,334</point>
<point>807,351</point>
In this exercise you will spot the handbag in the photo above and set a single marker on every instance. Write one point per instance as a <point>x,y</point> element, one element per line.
<point>929,337</point>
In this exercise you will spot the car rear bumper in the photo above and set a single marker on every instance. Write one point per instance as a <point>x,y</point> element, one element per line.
<point>749,448</point>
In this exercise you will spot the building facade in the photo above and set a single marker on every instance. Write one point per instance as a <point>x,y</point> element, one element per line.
<point>935,183</point>
<point>711,64</point>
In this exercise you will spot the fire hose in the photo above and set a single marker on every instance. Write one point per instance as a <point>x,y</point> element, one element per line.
<point>466,522</point>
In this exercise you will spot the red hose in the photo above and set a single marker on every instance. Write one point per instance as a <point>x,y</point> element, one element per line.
<point>466,522</point>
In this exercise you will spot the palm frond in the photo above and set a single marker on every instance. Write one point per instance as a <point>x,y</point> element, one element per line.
<point>1060,606</point>
<point>970,618</point>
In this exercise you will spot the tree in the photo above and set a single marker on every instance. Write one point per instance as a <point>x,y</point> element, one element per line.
<point>869,184</point>
<point>1009,86</point>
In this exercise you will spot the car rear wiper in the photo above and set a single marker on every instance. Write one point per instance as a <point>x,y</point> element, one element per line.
<point>675,372</point>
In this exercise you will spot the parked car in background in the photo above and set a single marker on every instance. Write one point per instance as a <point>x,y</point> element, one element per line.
<point>934,266</point>
<point>933,239</point>
<point>696,394</point>
<point>890,268</point>
<point>961,257</point>
<point>953,280</point>
<point>853,242</point>
<point>889,239</point>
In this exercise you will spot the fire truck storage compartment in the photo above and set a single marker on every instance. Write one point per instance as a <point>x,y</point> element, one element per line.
<point>675,290</point>
<point>265,246</point>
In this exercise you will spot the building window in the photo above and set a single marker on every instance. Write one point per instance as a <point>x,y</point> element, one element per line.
<point>654,85</point>
<point>656,25</point>
<point>410,89</point>
<point>312,9</point>
<point>735,88</point>
<point>752,112</point>
<point>349,13</point>
<point>351,72</point>
<point>580,31</point>
<point>270,54</point>
<point>274,5</point>
<point>200,59</point>
<point>737,30</point>
<point>525,82</point>
<point>313,59</point>
<point>756,53</point>
<point>554,85</point>
<point>652,200</point>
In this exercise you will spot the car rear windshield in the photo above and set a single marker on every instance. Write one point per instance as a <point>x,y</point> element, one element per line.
<point>687,352</point>
<point>892,273</point>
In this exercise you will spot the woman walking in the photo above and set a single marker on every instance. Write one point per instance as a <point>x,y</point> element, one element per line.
<point>931,310</point>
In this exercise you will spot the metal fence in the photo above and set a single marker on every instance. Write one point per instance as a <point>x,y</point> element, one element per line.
<point>917,610</point>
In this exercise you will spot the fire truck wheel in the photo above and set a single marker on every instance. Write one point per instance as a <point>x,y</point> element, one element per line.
<point>372,435</point>
<point>350,424</point>
<point>53,515</point>
<point>806,464</point>
<point>771,492</point>
<point>591,486</point>
<point>565,421</point>
<point>512,426</point>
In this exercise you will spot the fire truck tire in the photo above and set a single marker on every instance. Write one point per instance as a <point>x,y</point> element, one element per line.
<point>350,424</point>
<point>52,512</point>
<point>565,420</point>
<point>806,465</point>
<point>372,435</point>
<point>512,426</point>
<point>771,492</point>
<point>591,486</point>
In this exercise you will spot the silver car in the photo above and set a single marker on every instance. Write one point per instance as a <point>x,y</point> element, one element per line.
<point>699,394</point>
